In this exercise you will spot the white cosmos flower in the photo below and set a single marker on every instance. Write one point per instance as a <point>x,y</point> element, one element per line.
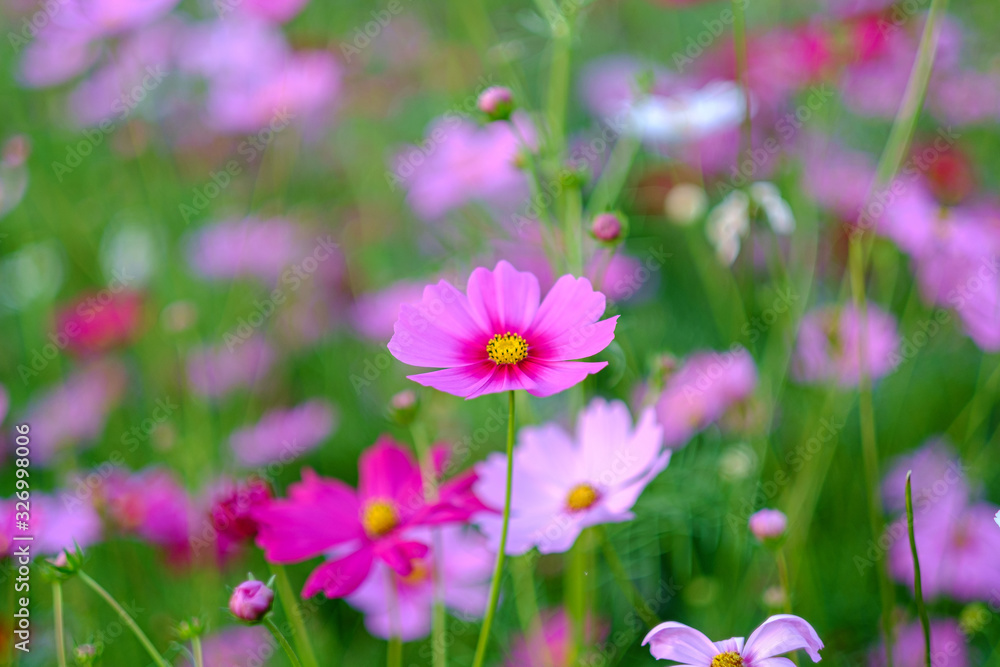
<point>729,221</point>
<point>688,116</point>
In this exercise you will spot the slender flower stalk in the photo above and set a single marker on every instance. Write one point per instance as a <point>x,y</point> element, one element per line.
<point>57,608</point>
<point>199,656</point>
<point>484,634</point>
<point>140,635</point>
<point>917,585</point>
<point>527,604</point>
<point>575,595</point>
<point>439,619</point>
<point>280,638</point>
<point>294,613</point>
<point>786,591</point>
<point>740,51</point>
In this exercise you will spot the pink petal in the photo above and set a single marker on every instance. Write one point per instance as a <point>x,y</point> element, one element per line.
<point>505,298</point>
<point>387,471</point>
<point>577,342</point>
<point>678,642</point>
<point>462,381</point>
<point>504,378</point>
<point>400,555</point>
<point>551,377</point>
<point>337,578</point>
<point>781,634</point>
<point>318,514</point>
<point>565,319</point>
<point>441,331</point>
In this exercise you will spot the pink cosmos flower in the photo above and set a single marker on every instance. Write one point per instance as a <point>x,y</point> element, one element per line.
<point>279,11</point>
<point>74,413</point>
<point>230,513</point>
<point>777,635</point>
<point>151,505</point>
<point>375,313</point>
<point>768,524</point>
<point>102,18</point>
<point>355,528</point>
<point>97,322</point>
<point>238,646</point>
<point>216,371</point>
<point>551,644</point>
<point>827,347</point>
<point>247,248</point>
<point>284,434</point>
<point>461,162</point>
<point>937,474</point>
<point>948,646</point>
<point>55,523</point>
<point>465,566</point>
<point>562,485</point>
<point>701,392</point>
<point>499,336</point>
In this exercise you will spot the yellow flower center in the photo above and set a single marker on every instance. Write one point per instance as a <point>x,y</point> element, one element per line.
<point>509,348</point>
<point>417,575</point>
<point>379,518</point>
<point>727,659</point>
<point>581,497</point>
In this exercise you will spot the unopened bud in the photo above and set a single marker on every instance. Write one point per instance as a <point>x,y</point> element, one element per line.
<point>497,102</point>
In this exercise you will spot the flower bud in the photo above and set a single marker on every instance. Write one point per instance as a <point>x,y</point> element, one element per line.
<point>251,601</point>
<point>497,102</point>
<point>768,525</point>
<point>403,407</point>
<point>608,227</point>
<point>86,655</point>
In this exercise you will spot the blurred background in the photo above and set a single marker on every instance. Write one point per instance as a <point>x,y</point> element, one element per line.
<point>210,213</point>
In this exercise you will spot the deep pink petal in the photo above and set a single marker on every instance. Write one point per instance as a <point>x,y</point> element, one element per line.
<point>387,471</point>
<point>337,578</point>
<point>505,377</point>
<point>440,331</point>
<point>318,514</point>
<point>576,342</point>
<point>678,642</point>
<point>505,298</point>
<point>781,634</point>
<point>569,306</point>
<point>461,381</point>
<point>400,555</point>
<point>551,377</point>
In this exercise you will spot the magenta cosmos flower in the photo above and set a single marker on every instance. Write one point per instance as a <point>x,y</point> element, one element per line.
<point>829,343</point>
<point>354,528</point>
<point>398,606</point>
<point>778,634</point>
<point>551,644</point>
<point>500,336</point>
<point>562,486</point>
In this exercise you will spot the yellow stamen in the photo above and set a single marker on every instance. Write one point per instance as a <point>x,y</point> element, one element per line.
<point>727,659</point>
<point>581,497</point>
<point>508,348</point>
<point>379,518</point>
<point>417,575</point>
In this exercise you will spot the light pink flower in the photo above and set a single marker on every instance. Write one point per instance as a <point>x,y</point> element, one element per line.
<point>151,505</point>
<point>499,336</point>
<point>948,646</point>
<point>551,644</point>
<point>55,522</point>
<point>251,247</point>
<point>465,568</point>
<point>827,349</point>
<point>768,524</point>
<point>284,434</point>
<point>777,635</point>
<point>216,371</point>
<point>461,162</point>
<point>272,10</point>
<point>563,485</point>
<point>701,392</point>
<point>238,646</point>
<point>102,18</point>
<point>374,313</point>
<point>357,528</point>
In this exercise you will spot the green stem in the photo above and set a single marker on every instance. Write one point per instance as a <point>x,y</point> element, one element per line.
<point>573,229</point>
<point>918,589</point>
<point>786,590</point>
<point>199,656</point>
<point>292,658</point>
<point>140,635</point>
<point>740,51</point>
<point>294,613</point>
<point>612,179</point>
<point>527,603</point>
<point>869,444</point>
<point>439,620</point>
<point>394,657</point>
<point>624,581</point>
<point>575,598</point>
<point>57,608</point>
<point>562,40</point>
<point>484,634</point>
